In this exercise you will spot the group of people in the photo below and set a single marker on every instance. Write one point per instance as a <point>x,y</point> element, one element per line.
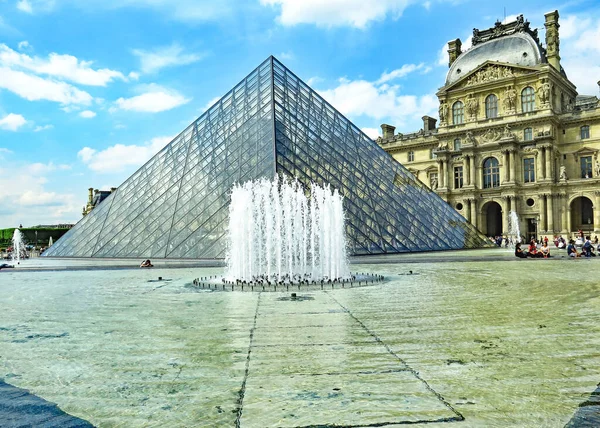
<point>587,247</point>
<point>146,263</point>
<point>533,251</point>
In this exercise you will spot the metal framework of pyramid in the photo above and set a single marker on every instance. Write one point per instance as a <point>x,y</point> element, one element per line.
<point>177,204</point>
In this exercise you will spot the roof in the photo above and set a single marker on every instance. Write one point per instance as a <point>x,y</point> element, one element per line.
<point>513,43</point>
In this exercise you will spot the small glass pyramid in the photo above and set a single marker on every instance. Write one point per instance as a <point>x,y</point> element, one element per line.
<point>177,204</point>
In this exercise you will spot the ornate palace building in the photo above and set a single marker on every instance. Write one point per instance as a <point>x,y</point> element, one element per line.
<point>513,135</point>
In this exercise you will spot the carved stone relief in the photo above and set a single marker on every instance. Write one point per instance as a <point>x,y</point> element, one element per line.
<point>492,72</point>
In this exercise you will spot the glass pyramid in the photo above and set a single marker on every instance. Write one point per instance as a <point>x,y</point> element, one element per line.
<point>177,204</point>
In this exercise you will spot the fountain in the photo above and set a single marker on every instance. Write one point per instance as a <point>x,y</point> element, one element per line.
<point>278,235</point>
<point>514,230</point>
<point>18,246</point>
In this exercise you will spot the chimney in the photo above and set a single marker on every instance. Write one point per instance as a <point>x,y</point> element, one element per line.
<point>388,130</point>
<point>112,189</point>
<point>454,50</point>
<point>428,123</point>
<point>552,40</point>
<point>90,195</point>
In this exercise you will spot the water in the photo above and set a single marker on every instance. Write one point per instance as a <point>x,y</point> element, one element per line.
<point>514,229</point>
<point>18,246</point>
<point>276,232</point>
<point>505,343</point>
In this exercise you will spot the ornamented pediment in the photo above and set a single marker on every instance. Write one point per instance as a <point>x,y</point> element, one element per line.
<point>491,135</point>
<point>492,72</point>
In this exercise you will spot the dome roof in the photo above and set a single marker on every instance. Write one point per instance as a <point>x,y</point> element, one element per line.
<point>517,48</point>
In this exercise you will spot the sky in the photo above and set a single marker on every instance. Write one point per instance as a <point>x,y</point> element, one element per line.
<point>92,89</point>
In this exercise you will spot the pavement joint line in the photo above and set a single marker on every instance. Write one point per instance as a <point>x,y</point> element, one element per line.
<point>368,372</point>
<point>383,424</point>
<point>313,344</point>
<point>415,373</point>
<point>242,392</point>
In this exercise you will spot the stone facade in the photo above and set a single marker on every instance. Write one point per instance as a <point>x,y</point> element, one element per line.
<point>512,136</point>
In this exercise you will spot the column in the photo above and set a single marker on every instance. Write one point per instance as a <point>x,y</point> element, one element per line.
<point>506,166</point>
<point>505,210</point>
<point>597,212</point>
<point>468,161</point>
<point>550,213</point>
<point>538,165</point>
<point>473,176</point>
<point>513,167</point>
<point>441,174</point>
<point>542,212</point>
<point>474,212</point>
<point>568,210</point>
<point>468,209</point>
<point>515,205</point>
<point>449,174</point>
<point>548,156</point>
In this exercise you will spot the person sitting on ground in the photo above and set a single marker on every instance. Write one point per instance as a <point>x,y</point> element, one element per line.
<point>545,250</point>
<point>571,250</point>
<point>519,252</point>
<point>532,251</point>
<point>146,263</point>
<point>586,250</point>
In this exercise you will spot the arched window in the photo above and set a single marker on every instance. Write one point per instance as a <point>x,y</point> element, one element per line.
<point>584,132</point>
<point>411,156</point>
<point>491,173</point>
<point>491,106</point>
<point>527,134</point>
<point>457,144</point>
<point>528,99</point>
<point>458,112</point>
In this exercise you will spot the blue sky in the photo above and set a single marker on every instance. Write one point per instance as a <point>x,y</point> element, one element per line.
<point>91,89</point>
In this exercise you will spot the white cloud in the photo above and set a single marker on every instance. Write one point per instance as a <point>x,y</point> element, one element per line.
<point>209,104</point>
<point>24,6</point>
<point>24,45</point>
<point>12,122</point>
<point>64,67</point>
<point>120,157</point>
<point>371,132</point>
<point>43,128</point>
<point>5,150</point>
<point>580,51</point>
<point>400,72</point>
<point>289,55</point>
<point>28,201</point>
<point>87,114</point>
<point>381,101</point>
<point>168,56</point>
<point>314,80</point>
<point>34,88</point>
<point>133,75</point>
<point>155,100</point>
<point>332,13</point>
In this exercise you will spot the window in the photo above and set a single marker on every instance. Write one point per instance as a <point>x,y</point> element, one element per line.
<point>586,166</point>
<point>491,173</point>
<point>584,132</point>
<point>411,156</point>
<point>527,134</point>
<point>458,177</point>
<point>432,154</point>
<point>528,99</point>
<point>457,144</point>
<point>491,106</point>
<point>458,112</point>
<point>529,170</point>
